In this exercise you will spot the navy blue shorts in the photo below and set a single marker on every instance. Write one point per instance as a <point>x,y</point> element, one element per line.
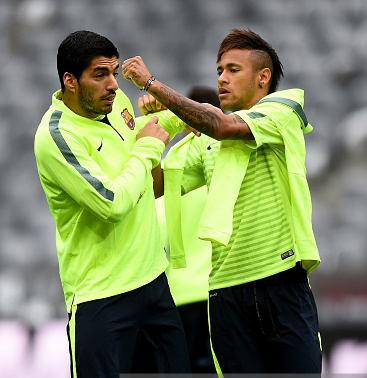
<point>139,331</point>
<point>268,326</point>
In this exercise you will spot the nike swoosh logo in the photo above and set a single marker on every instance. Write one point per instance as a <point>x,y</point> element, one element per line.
<point>99,148</point>
<point>210,145</point>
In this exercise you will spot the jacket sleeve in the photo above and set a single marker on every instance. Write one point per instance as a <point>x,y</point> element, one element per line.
<point>263,126</point>
<point>168,120</point>
<point>193,175</point>
<point>65,166</point>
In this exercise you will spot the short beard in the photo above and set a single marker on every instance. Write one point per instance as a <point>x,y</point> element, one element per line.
<point>86,103</point>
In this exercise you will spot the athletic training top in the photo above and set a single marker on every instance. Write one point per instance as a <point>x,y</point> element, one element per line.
<point>189,285</point>
<point>271,222</point>
<point>98,183</point>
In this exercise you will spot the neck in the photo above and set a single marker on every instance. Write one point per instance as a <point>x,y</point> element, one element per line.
<point>259,95</point>
<point>70,100</point>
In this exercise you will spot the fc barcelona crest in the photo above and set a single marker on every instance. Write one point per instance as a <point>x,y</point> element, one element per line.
<point>128,118</point>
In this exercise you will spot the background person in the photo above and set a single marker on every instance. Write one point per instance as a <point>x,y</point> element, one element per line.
<point>189,286</point>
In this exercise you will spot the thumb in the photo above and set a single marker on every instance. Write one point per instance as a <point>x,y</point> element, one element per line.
<point>153,120</point>
<point>142,107</point>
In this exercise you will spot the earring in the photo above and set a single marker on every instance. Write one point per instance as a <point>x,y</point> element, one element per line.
<point>261,85</point>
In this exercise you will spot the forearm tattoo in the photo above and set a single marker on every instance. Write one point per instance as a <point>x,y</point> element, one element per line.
<point>196,115</point>
<point>241,133</point>
<point>239,119</point>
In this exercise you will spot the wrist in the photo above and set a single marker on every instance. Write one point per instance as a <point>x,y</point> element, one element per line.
<point>148,83</point>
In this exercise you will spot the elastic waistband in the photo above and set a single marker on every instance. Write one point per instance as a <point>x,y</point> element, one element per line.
<point>295,274</point>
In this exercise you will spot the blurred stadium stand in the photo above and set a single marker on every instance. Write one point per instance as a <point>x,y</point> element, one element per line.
<point>323,46</point>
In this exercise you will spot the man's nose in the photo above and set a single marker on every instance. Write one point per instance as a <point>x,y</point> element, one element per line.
<point>222,78</point>
<point>113,84</point>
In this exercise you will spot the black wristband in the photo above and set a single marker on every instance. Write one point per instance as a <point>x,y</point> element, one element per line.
<point>150,81</point>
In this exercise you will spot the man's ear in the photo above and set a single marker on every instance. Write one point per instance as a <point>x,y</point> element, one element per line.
<point>70,82</point>
<point>264,76</point>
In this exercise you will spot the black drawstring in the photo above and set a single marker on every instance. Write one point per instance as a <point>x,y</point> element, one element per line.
<point>269,310</point>
<point>257,310</point>
<point>267,301</point>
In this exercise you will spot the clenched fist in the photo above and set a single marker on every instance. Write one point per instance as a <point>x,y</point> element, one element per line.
<point>153,129</point>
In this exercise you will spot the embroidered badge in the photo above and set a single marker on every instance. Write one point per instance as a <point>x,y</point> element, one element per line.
<point>128,118</point>
<point>287,254</point>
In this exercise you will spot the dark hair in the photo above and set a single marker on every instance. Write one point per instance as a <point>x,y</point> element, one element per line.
<point>77,50</point>
<point>264,54</point>
<point>204,95</point>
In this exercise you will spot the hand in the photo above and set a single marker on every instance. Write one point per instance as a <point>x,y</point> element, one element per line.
<point>153,129</point>
<point>148,104</point>
<point>134,69</point>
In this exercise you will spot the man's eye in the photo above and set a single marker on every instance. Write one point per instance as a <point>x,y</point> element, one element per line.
<point>115,74</point>
<point>234,70</point>
<point>219,73</point>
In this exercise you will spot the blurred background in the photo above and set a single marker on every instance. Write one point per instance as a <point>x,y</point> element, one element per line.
<point>323,47</point>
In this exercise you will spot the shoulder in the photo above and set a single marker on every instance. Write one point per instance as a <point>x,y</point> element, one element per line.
<point>49,120</point>
<point>122,99</point>
<point>290,100</point>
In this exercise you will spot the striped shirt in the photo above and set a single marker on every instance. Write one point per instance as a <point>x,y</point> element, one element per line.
<point>261,242</point>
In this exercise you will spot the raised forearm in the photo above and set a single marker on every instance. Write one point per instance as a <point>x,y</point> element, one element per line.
<point>205,118</point>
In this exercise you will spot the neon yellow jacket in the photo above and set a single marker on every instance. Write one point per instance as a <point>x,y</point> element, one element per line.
<point>230,168</point>
<point>191,284</point>
<point>98,183</point>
